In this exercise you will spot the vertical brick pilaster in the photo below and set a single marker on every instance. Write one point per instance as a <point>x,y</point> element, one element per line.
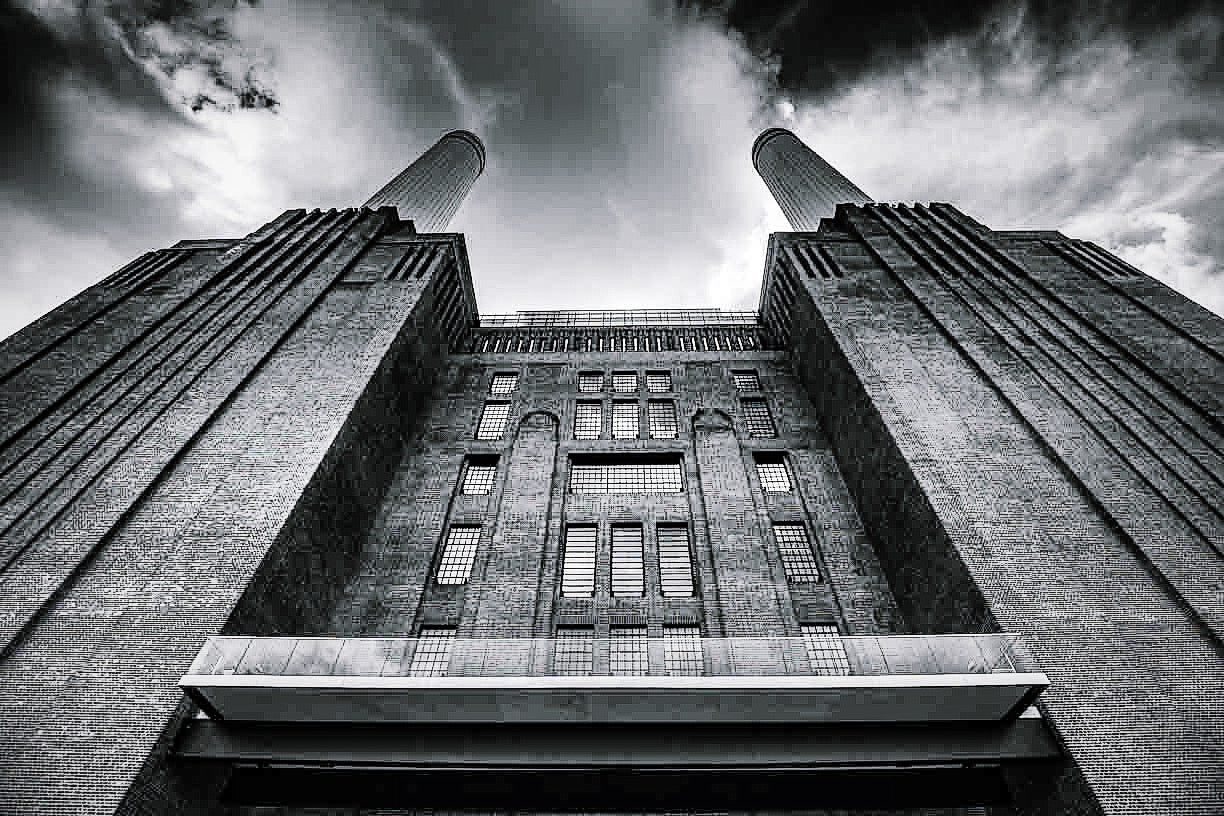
<point>511,579</point>
<point>751,602</point>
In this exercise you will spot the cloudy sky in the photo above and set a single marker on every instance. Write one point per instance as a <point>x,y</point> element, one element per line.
<point>618,132</point>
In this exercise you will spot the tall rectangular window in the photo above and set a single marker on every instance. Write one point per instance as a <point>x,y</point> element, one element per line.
<point>624,420</point>
<point>627,576</point>
<point>675,561</point>
<point>771,470</point>
<point>591,474</point>
<point>746,380</point>
<point>662,416</point>
<point>796,551</point>
<point>682,650</point>
<point>504,383</point>
<point>493,420</point>
<point>624,381</point>
<point>574,651</point>
<point>479,475</point>
<point>757,418</point>
<point>588,420</point>
<point>824,649</point>
<point>458,554</point>
<point>432,655</point>
<point>578,569</point>
<point>628,650</point>
<point>658,382</point>
<point>590,381</point>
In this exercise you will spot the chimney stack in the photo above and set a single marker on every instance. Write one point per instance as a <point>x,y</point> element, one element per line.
<point>431,189</point>
<point>806,187</point>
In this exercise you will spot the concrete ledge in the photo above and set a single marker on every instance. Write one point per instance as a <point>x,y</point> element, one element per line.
<point>783,698</point>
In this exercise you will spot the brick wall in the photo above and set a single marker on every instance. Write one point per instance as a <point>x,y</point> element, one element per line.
<point>1002,452</point>
<point>239,510</point>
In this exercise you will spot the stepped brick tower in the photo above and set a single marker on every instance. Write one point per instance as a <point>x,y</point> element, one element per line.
<point>286,527</point>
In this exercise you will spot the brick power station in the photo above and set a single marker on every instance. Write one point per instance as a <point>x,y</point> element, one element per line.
<point>288,528</point>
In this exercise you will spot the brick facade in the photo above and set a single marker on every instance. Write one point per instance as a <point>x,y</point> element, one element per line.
<point>982,432</point>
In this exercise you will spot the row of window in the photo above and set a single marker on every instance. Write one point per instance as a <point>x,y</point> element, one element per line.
<point>623,382</point>
<point>675,564</point>
<point>660,417</point>
<point>633,475</point>
<point>660,414</point>
<point>628,651</point>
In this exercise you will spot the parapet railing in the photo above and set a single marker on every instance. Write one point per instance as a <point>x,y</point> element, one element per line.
<point>442,680</point>
<point>445,656</point>
<point>617,318</point>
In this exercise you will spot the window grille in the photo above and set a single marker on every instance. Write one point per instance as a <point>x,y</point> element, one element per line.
<point>625,477</point>
<point>658,382</point>
<point>771,470</point>
<point>588,420</point>
<point>662,416</point>
<point>574,650</point>
<point>746,380</point>
<point>757,418</point>
<point>675,561</point>
<point>682,650</point>
<point>824,649</point>
<point>624,420</point>
<point>624,381</point>
<point>458,554</point>
<point>504,383</point>
<point>479,476</point>
<point>432,655</point>
<point>628,650</point>
<point>590,381</point>
<point>578,570</point>
<point>796,551</point>
<point>493,420</point>
<point>627,578</point>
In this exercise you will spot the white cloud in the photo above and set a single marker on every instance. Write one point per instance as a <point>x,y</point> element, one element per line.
<point>1091,149</point>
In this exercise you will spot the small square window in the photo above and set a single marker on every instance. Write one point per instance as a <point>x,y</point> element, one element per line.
<point>504,383</point>
<point>771,470</point>
<point>796,552</point>
<point>682,650</point>
<point>757,418</point>
<point>624,381</point>
<point>458,554</point>
<point>493,420</point>
<point>658,382</point>
<point>628,650</point>
<point>573,651</point>
<point>588,420</point>
<point>479,475</point>
<point>624,420</point>
<point>590,381</point>
<point>662,416</point>
<point>432,655</point>
<point>746,380</point>
<point>825,650</point>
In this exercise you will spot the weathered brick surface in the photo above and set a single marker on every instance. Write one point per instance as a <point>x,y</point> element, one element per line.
<point>966,438</point>
<point>251,527</point>
<point>515,582</point>
<point>1004,455</point>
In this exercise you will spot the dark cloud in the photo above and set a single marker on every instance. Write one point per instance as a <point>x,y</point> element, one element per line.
<point>821,47</point>
<point>618,134</point>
